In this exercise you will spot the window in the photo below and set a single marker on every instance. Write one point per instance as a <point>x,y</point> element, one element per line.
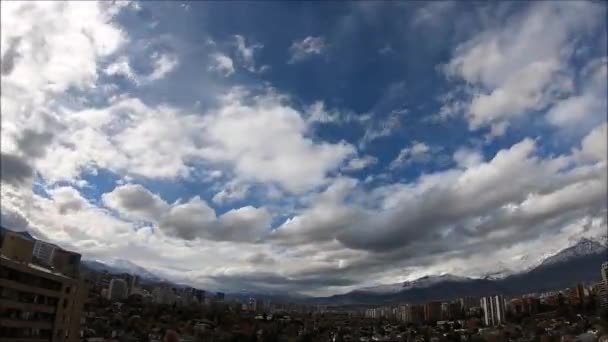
<point>67,289</point>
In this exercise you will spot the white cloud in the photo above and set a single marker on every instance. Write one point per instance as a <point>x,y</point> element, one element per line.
<point>306,48</point>
<point>594,145</point>
<point>584,110</point>
<point>232,191</point>
<point>222,64</point>
<point>417,152</point>
<point>121,67</point>
<point>523,65</point>
<point>360,163</point>
<point>246,53</point>
<point>163,64</point>
<point>266,142</point>
<point>338,233</point>
<point>48,48</point>
<point>465,157</point>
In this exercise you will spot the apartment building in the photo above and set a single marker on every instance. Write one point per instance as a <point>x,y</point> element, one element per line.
<point>38,302</point>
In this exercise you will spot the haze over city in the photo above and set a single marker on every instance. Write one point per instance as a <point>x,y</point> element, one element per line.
<point>308,148</point>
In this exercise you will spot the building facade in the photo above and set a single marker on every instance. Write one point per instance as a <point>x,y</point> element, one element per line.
<point>37,303</point>
<point>432,311</point>
<point>44,252</point>
<point>118,290</point>
<point>493,310</point>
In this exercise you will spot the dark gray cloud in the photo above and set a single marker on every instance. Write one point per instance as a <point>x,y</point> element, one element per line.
<point>10,57</point>
<point>276,283</point>
<point>14,169</point>
<point>13,220</point>
<point>458,214</point>
<point>195,219</point>
<point>33,143</point>
<point>136,202</point>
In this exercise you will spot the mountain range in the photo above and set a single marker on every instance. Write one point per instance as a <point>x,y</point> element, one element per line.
<point>118,266</point>
<point>577,263</point>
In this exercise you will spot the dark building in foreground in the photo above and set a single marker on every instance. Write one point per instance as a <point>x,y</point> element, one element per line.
<point>41,299</point>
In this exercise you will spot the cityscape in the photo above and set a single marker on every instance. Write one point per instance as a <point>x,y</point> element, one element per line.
<point>303,171</point>
<point>46,294</point>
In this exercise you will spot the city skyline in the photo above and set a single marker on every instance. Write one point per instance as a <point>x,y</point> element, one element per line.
<point>310,148</point>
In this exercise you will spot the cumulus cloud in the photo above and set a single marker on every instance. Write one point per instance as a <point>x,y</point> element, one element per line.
<point>195,219</point>
<point>162,65</point>
<point>593,146</point>
<point>417,152</point>
<point>360,163</point>
<point>266,142</point>
<point>468,204</point>
<point>306,48</point>
<point>188,220</point>
<point>246,52</point>
<point>313,230</point>
<point>136,202</point>
<point>14,169</point>
<point>523,65</point>
<point>222,64</point>
<point>232,191</point>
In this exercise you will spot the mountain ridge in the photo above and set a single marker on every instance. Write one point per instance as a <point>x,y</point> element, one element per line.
<point>580,262</point>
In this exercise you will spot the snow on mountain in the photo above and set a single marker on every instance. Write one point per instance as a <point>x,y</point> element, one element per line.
<point>382,289</point>
<point>582,247</point>
<point>120,266</point>
<point>423,282</point>
<point>427,281</point>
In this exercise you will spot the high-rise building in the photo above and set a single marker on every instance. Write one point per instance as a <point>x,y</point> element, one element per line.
<point>38,302</point>
<point>468,302</point>
<point>253,304</point>
<point>604,271</point>
<point>493,310</point>
<point>131,279</point>
<point>576,295</point>
<point>410,313</point>
<point>445,311</point>
<point>163,295</point>
<point>432,311</point>
<point>44,252</point>
<point>118,290</point>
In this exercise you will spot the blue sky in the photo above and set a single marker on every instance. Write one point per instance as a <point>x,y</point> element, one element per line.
<point>306,147</point>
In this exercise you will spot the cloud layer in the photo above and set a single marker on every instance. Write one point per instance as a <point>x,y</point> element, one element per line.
<point>197,155</point>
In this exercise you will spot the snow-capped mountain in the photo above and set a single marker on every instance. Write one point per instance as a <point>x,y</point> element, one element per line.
<point>581,248</point>
<point>577,263</point>
<point>419,283</point>
<point>427,281</point>
<point>120,266</point>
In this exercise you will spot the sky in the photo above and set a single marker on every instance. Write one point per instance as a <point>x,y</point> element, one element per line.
<point>310,147</point>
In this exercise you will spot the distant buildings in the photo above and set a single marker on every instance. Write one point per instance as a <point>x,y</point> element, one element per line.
<point>576,295</point>
<point>118,290</point>
<point>163,295</point>
<point>432,311</point>
<point>602,287</point>
<point>42,295</point>
<point>411,313</point>
<point>525,306</point>
<point>493,310</point>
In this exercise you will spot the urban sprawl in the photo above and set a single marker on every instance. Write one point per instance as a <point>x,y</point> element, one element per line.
<point>45,295</point>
